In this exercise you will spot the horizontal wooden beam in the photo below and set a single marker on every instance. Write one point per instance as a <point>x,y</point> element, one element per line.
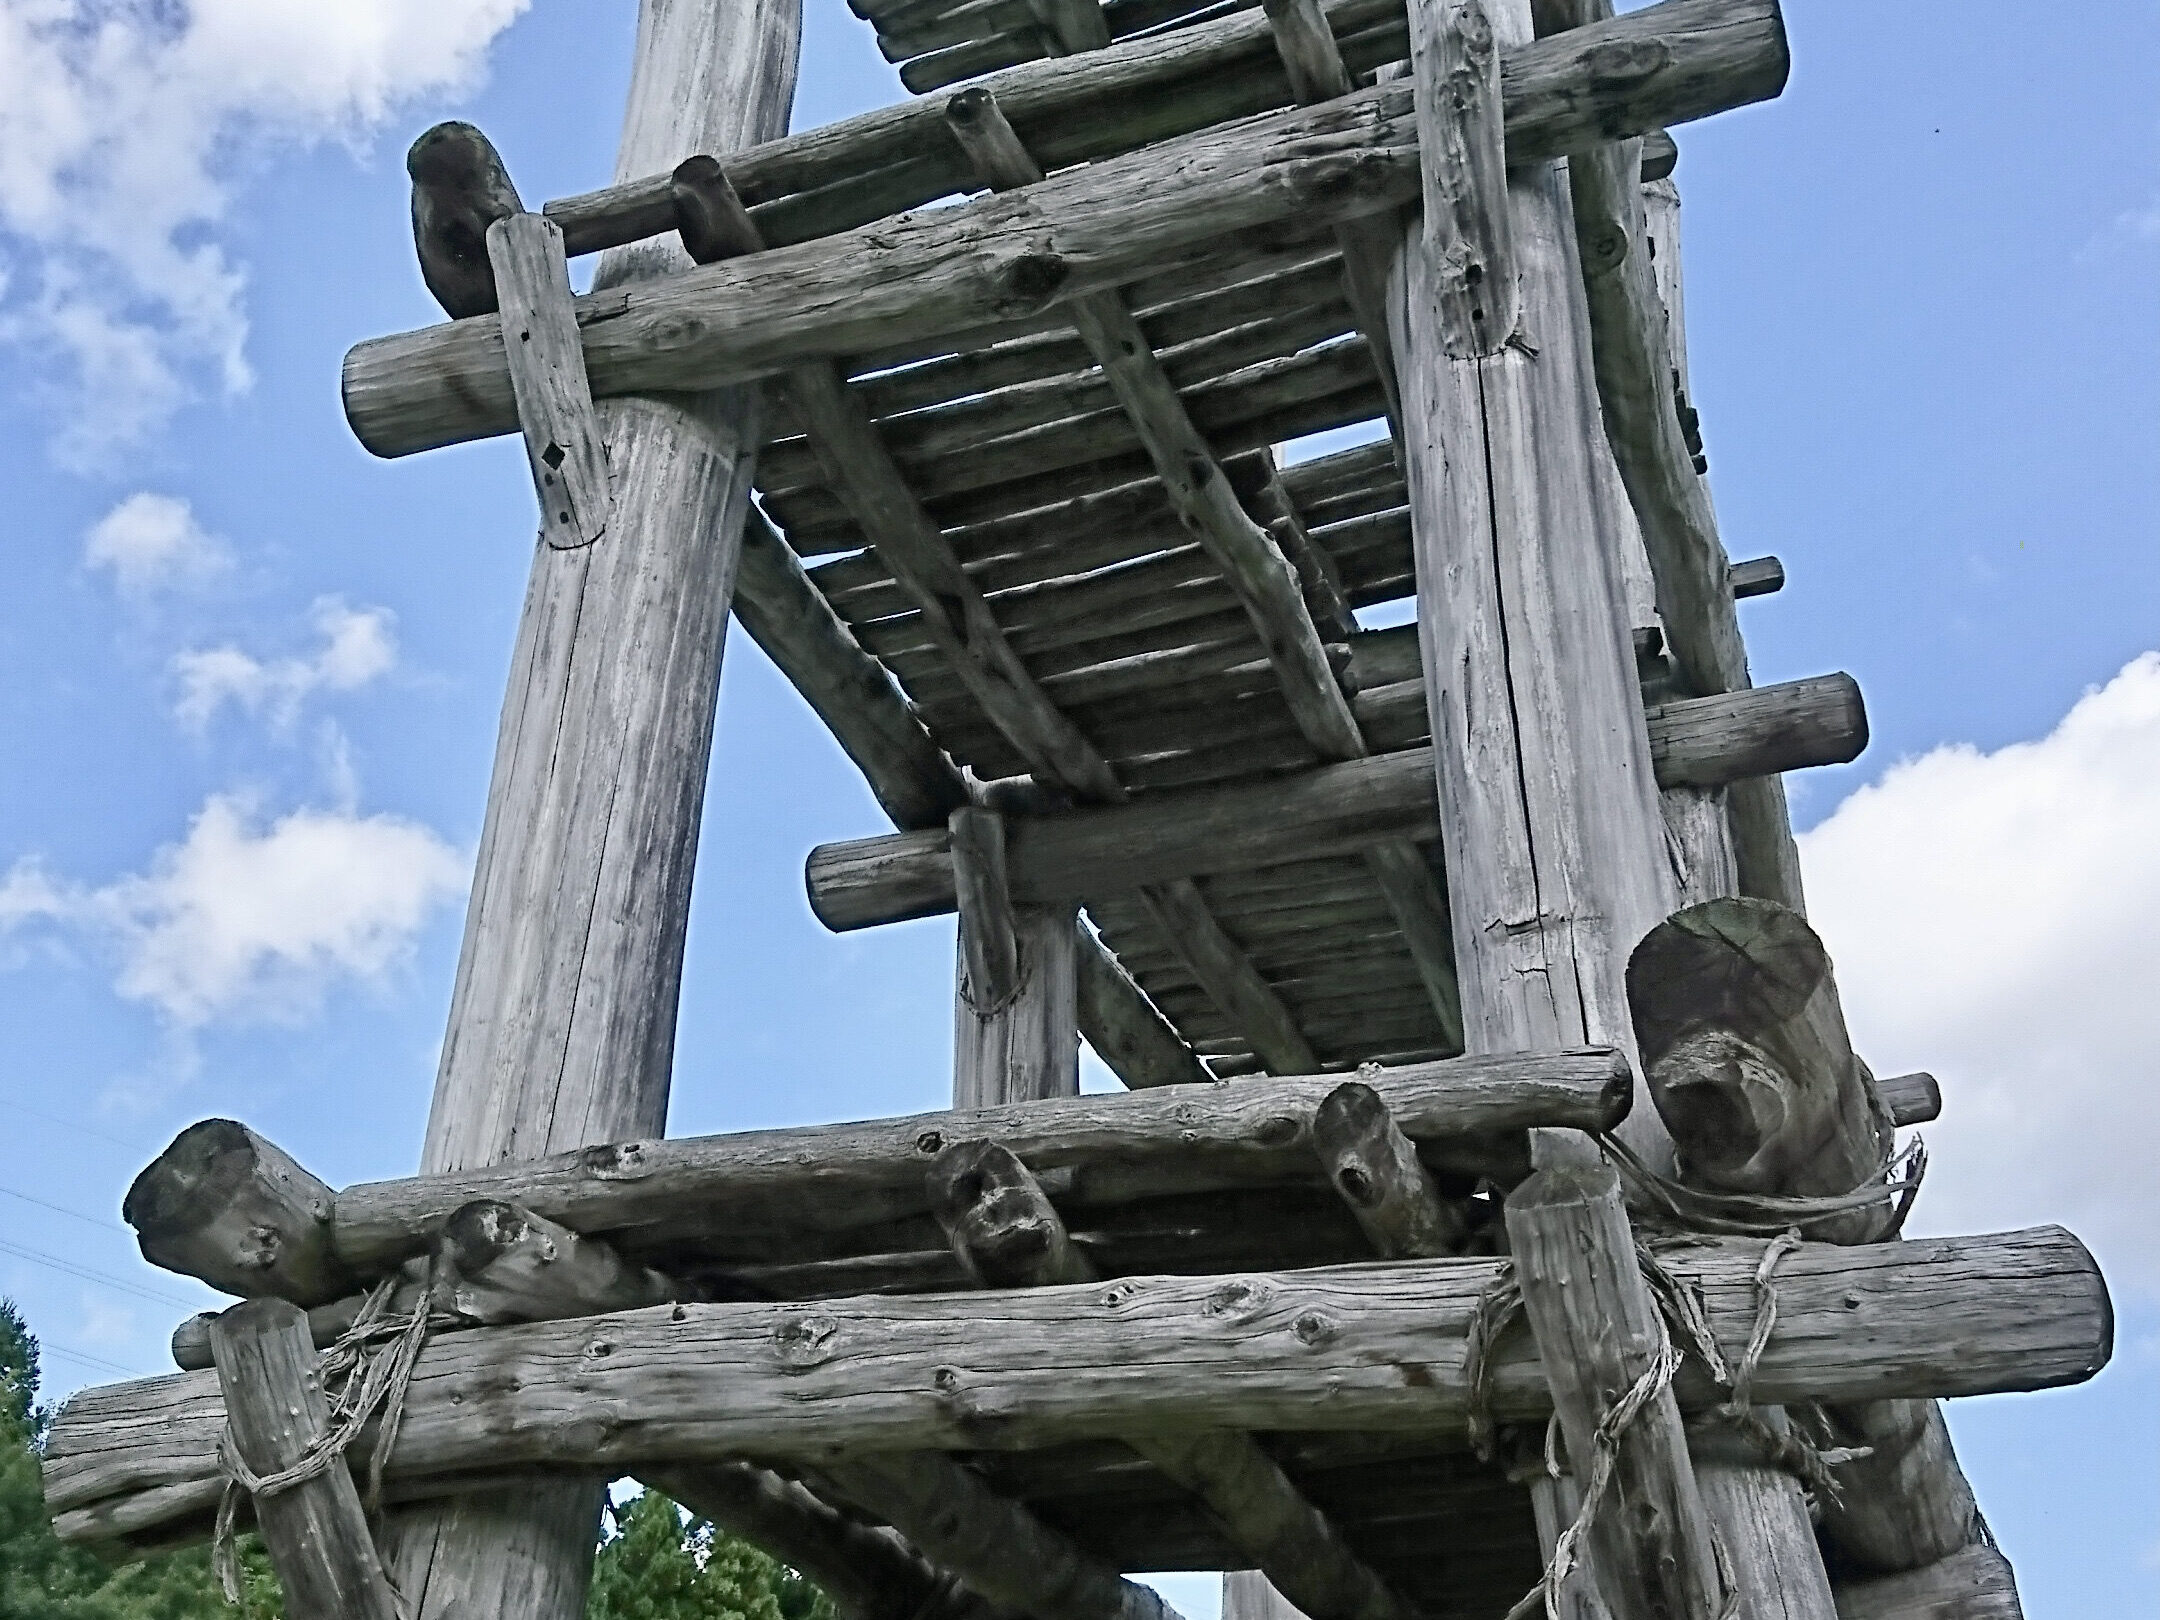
<point>1385,1342</point>
<point>1335,809</point>
<point>1111,1147</point>
<point>1086,229</point>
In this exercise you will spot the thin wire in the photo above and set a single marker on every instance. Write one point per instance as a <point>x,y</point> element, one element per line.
<point>40,1258</point>
<point>86,1130</point>
<point>62,1209</point>
<point>47,1348</point>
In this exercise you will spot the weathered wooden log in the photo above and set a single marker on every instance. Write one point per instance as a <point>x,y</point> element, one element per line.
<point>1744,1049</point>
<point>1292,1542</point>
<point>563,1014</point>
<point>943,269</point>
<point>686,1382</point>
<point>547,378</point>
<point>870,1574</point>
<point>1114,1147</point>
<point>999,1220</point>
<point>1635,361</point>
<point>460,190</point>
<point>1758,576</point>
<point>917,784</point>
<point>1340,808</point>
<point>1221,968</point>
<point>506,1264</point>
<point>326,1323</point>
<point>317,1535</point>
<point>1377,1171</point>
<point>1004,1551</point>
<point>1599,1337</point>
<point>1974,1584</point>
<point>989,944</point>
<point>1912,1099</point>
<point>223,1205</point>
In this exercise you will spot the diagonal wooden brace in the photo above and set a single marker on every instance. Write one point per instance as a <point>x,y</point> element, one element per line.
<point>547,376</point>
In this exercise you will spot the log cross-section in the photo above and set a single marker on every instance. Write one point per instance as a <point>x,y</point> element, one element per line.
<point>1376,1169</point>
<point>547,374</point>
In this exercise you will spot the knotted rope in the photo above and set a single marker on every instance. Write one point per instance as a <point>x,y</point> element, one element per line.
<point>367,1371</point>
<point>1896,1181</point>
<point>1680,1314</point>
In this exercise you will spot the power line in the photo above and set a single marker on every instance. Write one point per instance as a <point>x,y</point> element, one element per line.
<point>37,1257</point>
<point>75,1125</point>
<point>62,1209</point>
<point>47,1348</point>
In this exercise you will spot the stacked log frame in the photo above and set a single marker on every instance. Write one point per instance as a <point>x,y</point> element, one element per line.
<point>1024,537</point>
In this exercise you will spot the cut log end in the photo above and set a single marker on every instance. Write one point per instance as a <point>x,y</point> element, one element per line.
<point>224,1206</point>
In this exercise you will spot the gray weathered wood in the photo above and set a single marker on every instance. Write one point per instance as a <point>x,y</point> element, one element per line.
<point>506,1264</point>
<point>1468,223</point>
<point>1221,968</point>
<point>1757,576</point>
<point>870,1574</point>
<point>1911,1099</point>
<point>1083,230</point>
<point>999,1547</point>
<point>562,1021</point>
<point>547,377</point>
<point>999,1220</point>
<point>224,1205</point>
<point>1974,1584</point>
<point>1333,809</point>
<point>1598,1333</point>
<point>316,1533</point>
<point>1115,1146</point>
<point>1940,1317</point>
<point>460,189</point>
<point>1377,1171</point>
<point>1292,1542</point>
<point>1124,1027</point>
<point>1745,1053</point>
<point>1024,1043</point>
<point>989,945</point>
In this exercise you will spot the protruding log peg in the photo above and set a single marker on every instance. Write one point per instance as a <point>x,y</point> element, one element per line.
<point>232,1210</point>
<point>460,188</point>
<point>709,216</point>
<point>1000,1221</point>
<point>1377,1170</point>
<point>1745,1050</point>
<point>507,1264</point>
<point>547,376</point>
<point>318,1536</point>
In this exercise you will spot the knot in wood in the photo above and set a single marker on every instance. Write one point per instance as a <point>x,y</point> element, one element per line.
<point>615,1161</point>
<point>1279,1131</point>
<point>930,1142</point>
<point>1117,1294</point>
<point>1034,278</point>
<point>802,1342</point>
<point>1624,61</point>
<point>1314,1329</point>
<point>1239,1299</point>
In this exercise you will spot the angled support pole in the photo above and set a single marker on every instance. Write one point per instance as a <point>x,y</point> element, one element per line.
<point>318,1537</point>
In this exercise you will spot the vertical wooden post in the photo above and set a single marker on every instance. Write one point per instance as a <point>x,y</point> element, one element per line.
<point>1016,1030</point>
<point>1555,848</point>
<point>318,1536</point>
<point>562,1022</point>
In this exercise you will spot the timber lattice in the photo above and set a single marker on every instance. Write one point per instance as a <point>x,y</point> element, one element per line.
<point>1026,352</point>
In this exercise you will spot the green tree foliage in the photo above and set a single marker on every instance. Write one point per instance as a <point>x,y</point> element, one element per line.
<point>662,1564</point>
<point>658,1565</point>
<point>40,1579</point>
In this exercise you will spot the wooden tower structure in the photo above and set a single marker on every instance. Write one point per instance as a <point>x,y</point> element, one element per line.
<point>1497,1205</point>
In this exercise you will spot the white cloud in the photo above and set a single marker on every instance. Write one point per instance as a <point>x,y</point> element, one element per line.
<point>151,541</point>
<point>1995,918</point>
<point>123,124</point>
<point>248,922</point>
<point>357,646</point>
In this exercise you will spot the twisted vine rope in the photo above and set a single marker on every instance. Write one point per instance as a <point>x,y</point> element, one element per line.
<point>366,1372</point>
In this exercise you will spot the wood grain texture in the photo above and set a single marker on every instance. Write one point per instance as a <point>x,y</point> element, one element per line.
<point>317,1535</point>
<point>1084,230</point>
<point>1975,1584</point>
<point>989,946</point>
<point>1598,1332</point>
<point>460,189</point>
<point>1377,1171</point>
<point>235,1210</point>
<point>562,1020</point>
<point>869,1573</point>
<point>547,379</point>
<point>1115,1146</point>
<point>1007,1370</point>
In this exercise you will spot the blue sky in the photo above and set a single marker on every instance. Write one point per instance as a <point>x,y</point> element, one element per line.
<point>249,677</point>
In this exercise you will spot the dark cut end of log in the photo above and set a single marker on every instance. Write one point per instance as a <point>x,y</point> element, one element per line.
<point>230,1209</point>
<point>1000,1221</point>
<point>709,216</point>
<point>507,1264</point>
<point>1758,576</point>
<point>1660,155</point>
<point>460,188</point>
<point>1912,1099</point>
